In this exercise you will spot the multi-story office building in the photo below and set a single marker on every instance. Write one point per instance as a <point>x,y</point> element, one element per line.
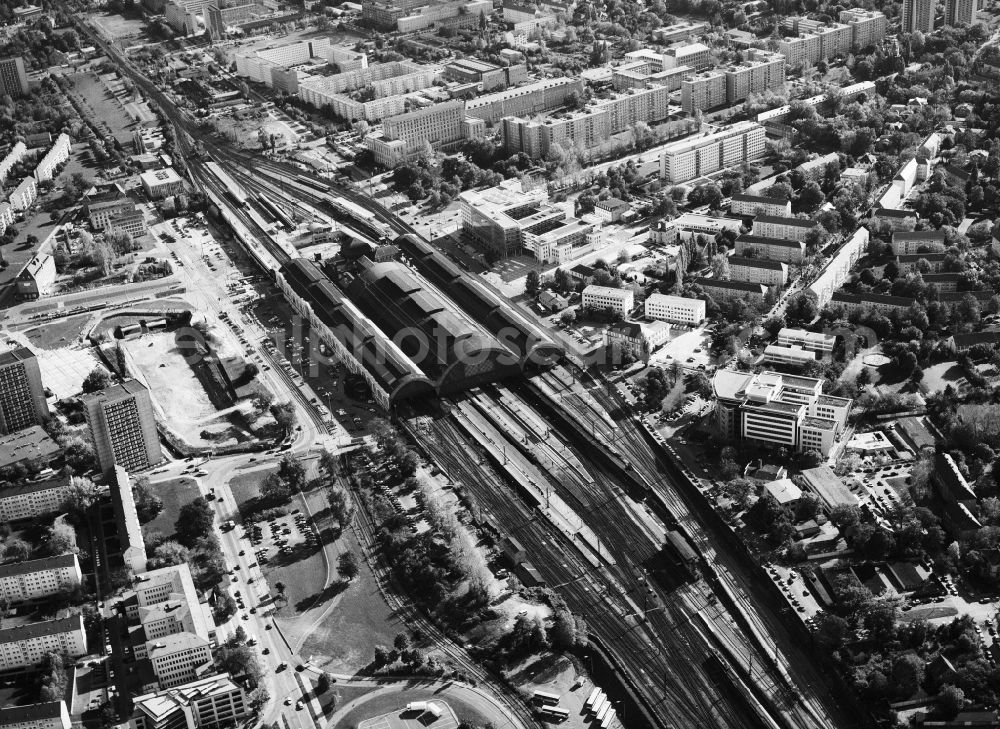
<point>758,271</point>
<point>760,72</point>
<point>960,12</point>
<point>691,158</point>
<point>749,205</point>
<point>587,128</point>
<point>15,155</point>
<point>123,427</point>
<point>621,301</point>
<point>568,239</point>
<point>702,91</point>
<point>696,55</point>
<point>678,309</point>
<point>35,579</point>
<point>498,217</point>
<point>407,135</point>
<point>778,409</point>
<point>813,341</point>
<point>24,195</point>
<point>775,249</point>
<point>49,715</point>
<point>131,544</point>
<point>101,207</point>
<point>159,184</point>
<point>58,154</point>
<point>214,701</point>
<point>917,241</point>
<point>179,658</point>
<point>774,226</point>
<point>867,26</point>
<point>133,223</point>
<point>22,396</point>
<point>794,355</point>
<point>918,15</point>
<point>32,499</point>
<point>487,75</point>
<point>165,602</point>
<point>721,290</point>
<point>13,77</point>
<point>26,645</point>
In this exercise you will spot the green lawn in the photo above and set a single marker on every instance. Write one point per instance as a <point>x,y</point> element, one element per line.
<point>58,333</point>
<point>175,493</point>
<point>246,486</point>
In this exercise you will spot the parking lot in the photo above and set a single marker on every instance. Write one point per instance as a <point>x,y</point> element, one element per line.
<point>280,535</point>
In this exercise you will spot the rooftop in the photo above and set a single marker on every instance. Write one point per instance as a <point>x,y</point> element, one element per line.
<point>22,445</point>
<point>46,627</point>
<point>32,712</point>
<point>782,220</point>
<point>37,565</point>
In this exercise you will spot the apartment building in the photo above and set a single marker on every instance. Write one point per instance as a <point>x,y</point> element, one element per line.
<point>837,270</point>
<point>405,136</point>
<point>880,302</point>
<point>487,75</point>
<point>705,90</point>
<point>643,73</point>
<point>761,71</point>
<point>214,701</point>
<point>721,290</point>
<point>534,98</point>
<point>37,278</point>
<point>805,48</point>
<point>749,205</point>
<point>690,225</point>
<point>159,184</point>
<point>815,168</point>
<point>683,30</point>
<point>179,658</point>
<point>48,715</point>
<point>778,409</point>
<point>868,27</point>
<point>13,77</point>
<point>758,271</point>
<point>587,128</point>
<point>131,544</point>
<point>57,154</point>
<point>775,249</point>
<point>123,427</point>
<point>18,152</point>
<point>918,241</point>
<point>26,645</point>
<point>960,12</point>
<point>6,216</point>
<point>22,395</point>
<point>912,263</point>
<point>620,301</point>
<point>691,158</point>
<point>32,499</point>
<point>695,55</point>
<point>775,226</point>
<point>24,195</point>
<point>35,579</point>
<point>813,341</point>
<point>680,309</point>
<point>918,15</point>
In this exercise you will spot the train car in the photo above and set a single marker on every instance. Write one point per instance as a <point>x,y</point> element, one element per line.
<point>275,211</point>
<point>233,189</point>
<point>678,550</point>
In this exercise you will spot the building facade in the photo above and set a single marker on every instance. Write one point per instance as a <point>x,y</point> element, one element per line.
<point>775,249</point>
<point>773,226</point>
<point>960,12</point>
<point>13,77</point>
<point>678,309</point>
<point>701,91</point>
<point>26,645</point>
<point>159,184</point>
<point>721,290</point>
<point>918,15</point>
<point>758,271</point>
<point>620,301</point>
<point>751,205</point>
<point>36,579</point>
<point>407,135</point>
<point>22,395</point>
<point>179,658</point>
<point>691,158</point>
<point>123,427</point>
<point>48,715</point>
<point>813,341</point>
<point>32,499</point>
<point>214,701</point>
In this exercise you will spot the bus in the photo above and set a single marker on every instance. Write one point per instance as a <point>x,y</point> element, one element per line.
<point>556,713</point>
<point>543,697</point>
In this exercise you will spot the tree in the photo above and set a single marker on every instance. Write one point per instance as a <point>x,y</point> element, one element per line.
<point>347,566</point>
<point>280,587</point>
<point>16,550</point>
<point>81,495</point>
<point>401,642</point>
<point>61,538</point>
<point>951,699</point>
<point>147,504</point>
<point>240,635</point>
<point>811,196</point>
<point>284,415</point>
<point>322,684</point>
<point>239,660</point>
<point>341,507</point>
<point>194,520</point>
<point>408,463</point>
<point>567,317</point>
<point>169,553</point>
<point>258,699</point>
<point>532,282</point>
<point>907,674</point>
<point>563,633</point>
<point>292,472</point>
<point>98,379</point>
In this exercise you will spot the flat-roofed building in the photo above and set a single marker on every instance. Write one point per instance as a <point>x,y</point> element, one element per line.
<point>690,225</point>
<point>696,55</point>
<point>813,341</point>
<point>698,156</point>
<point>32,499</point>
<point>213,701</point>
<point>701,91</point>
<point>47,715</point>
<point>13,77</point>
<point>28,444</point>
<point>22,395</point>
<point>918,15</point>
<point>749,205</point>
<point>721,290</point>
<point>775,226</point>
<point>775,249</point>
<point>179,658</point>
<point>123,427</point>
<point>960,12</point>
<point>24,646</point>
<point>805,48</point>
<point>678,309</point>
<point>159,184</point>
<point>533,98</point>
<point>57,154</point>
<point>621,301</point>
<point>829,487</point>
<point>815,168</point>
<point>837,270</point>
<point>758,271</point>
<point>131,544</point>
<point>761,71</point>
<point>37,579</point>
<point>405,136</point>
<point>868,27</point>
<point>794,356</point>
<point>917,241</point>
<point>166,602</point>
<point>778,409</point>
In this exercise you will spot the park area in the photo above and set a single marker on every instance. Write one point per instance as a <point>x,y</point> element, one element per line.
<point>175,493</point>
